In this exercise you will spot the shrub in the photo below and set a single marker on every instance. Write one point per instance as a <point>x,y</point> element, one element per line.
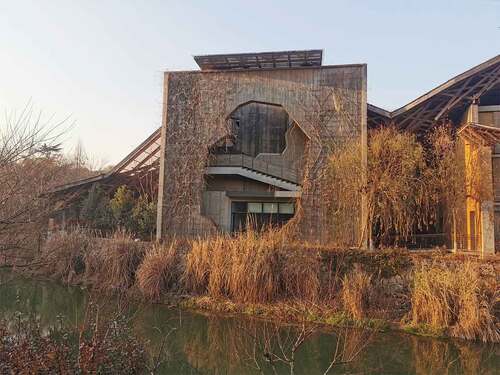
<point>457,299</point>
<point>355,292</point>
<point>63,253</point>
<point>160,269</point>
<point>95,210</point>
<point>121,206</point>
<point>104,346</point>
<point>144,218</point>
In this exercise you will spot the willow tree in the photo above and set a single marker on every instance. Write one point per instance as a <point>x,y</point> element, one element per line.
<point>395,188</point>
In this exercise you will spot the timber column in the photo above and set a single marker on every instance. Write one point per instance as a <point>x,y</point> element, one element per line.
<point>160,207</point>
<point>364,230</point>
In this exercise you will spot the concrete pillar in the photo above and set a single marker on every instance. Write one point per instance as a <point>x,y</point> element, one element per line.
<point>365,231</point>
<point>160,207</point>
<point>487,228</point>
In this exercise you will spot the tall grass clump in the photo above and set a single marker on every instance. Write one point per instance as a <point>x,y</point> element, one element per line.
<point>117,260</point>
<point>355,292</point>
<point>221,259</point>
<point>457,299</point>
<point>62,255</point>
<point>160,269</point>
<point>256,266</point>
<point>244,267</point>
<point>197,269</point>
<point>252,267</point>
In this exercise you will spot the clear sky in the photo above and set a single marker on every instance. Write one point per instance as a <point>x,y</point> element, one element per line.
<point>101,62</point>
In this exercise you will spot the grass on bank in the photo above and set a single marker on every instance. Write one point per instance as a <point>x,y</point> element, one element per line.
<point>253,270</point>
<point>455,298</point>
<point>160,270</point>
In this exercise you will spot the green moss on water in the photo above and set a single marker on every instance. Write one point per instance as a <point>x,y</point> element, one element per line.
<point>425,330</point>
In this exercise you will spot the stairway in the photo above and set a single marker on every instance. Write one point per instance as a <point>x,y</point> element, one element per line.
<point>253,175</point>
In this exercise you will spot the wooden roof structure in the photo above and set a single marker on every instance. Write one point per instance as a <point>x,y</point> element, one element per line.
<point>144,159</point>
<point>260,60</point>
<point>480,134</point>
<point>478,84</point>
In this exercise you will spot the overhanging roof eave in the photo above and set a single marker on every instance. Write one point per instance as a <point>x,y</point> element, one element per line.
<point>478,68</point>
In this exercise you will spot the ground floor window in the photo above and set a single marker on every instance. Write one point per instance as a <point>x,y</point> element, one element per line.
<point>260,214</point>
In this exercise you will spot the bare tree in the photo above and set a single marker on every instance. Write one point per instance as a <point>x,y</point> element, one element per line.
<point>29,166</point>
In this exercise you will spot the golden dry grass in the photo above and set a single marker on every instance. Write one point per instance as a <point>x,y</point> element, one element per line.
<point>251,267</point>
<point>197,269</point>
<point>355,292</point>
<point>255,266</point>
<point>456,298</point>
<point>160,269</point>
<point>301,275</point>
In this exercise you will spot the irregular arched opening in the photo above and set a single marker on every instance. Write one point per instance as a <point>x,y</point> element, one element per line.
<point>254,172</point>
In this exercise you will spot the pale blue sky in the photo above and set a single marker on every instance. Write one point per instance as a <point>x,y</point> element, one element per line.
<point>102,61</point>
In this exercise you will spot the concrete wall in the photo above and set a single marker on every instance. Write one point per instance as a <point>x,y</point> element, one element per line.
<point>293,155</point>
<point>197,106</point>
<point>490,115</point>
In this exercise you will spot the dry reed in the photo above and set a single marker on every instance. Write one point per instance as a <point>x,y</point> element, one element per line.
<point>355,292</point>
<point>457,299</point>
<point>251,267</point>
<point>117,260</point>
<point>160,269</point>
<point>197,268</point>
<point>255,267</point>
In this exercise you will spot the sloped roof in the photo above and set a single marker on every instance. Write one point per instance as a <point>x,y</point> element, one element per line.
<point>444,99</point>
<point>143,159</point>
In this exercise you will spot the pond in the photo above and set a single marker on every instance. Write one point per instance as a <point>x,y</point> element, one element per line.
<point>209,344</point>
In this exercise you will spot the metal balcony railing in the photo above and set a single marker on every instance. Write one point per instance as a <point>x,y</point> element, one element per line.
<point>434,240</point>
<point>249,162</point>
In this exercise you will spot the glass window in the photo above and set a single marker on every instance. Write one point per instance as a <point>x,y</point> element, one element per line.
<point>240,207</point>
<point>286,208</point>
<point>254,208</point>
<point>270,208</point>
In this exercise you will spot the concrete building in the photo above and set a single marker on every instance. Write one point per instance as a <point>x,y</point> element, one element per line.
<point>242,134</point>
<point>247,135</point>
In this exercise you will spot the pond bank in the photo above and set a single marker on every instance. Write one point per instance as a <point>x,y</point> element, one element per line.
<point>434,294</point>
<point>208,343</point>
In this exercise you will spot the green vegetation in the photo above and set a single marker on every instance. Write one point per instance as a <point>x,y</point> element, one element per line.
<point>125,211</point>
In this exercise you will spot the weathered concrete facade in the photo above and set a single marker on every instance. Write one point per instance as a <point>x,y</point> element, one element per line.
<point>312,106</point>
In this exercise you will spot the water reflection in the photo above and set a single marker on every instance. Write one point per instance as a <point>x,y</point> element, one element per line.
<point>191,343</point>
